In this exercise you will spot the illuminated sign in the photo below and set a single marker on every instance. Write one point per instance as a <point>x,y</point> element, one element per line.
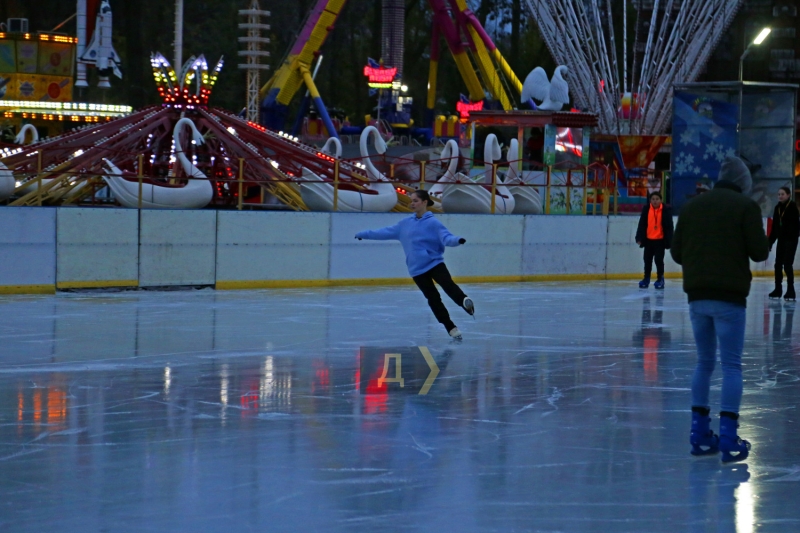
<point>380,77</point>
<point>465,107</point>
<point>66,107</point>
<point>40,36</point>
<point>397,370</point>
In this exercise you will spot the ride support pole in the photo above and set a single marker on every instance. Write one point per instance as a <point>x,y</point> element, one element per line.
<point>616,181</point>
<point>141,175</point>
<point>547,191</point>
<point>39,179</point>
<point>241,182</point>
<point>585,187</point>
<point>567,201</point>
<point>422,175</point>
<point>336,185</point>
<point>494,186</point>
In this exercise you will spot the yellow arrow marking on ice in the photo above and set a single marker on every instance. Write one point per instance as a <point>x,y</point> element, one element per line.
<point>434,370</point>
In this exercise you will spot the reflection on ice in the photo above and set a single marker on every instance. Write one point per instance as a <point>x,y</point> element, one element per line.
<point>745,507</point>
<point>564,409</point>
<point>167,379</point>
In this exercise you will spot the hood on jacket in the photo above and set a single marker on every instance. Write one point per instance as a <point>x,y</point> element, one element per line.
<point>734,170</point>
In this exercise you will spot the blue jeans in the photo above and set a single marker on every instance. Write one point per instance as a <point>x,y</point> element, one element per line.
<point>712,320</point>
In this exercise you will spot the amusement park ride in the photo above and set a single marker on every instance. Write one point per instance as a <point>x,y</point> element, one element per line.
<point>146,159</point>
<point>487,73</point>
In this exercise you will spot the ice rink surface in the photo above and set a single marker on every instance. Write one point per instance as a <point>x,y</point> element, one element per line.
<point>565,408</point>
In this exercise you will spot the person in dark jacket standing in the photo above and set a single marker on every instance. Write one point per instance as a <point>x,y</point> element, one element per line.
<point>718,234</point>
<point>654,234</point>
<point>424,238</point>
<point>786,230</point>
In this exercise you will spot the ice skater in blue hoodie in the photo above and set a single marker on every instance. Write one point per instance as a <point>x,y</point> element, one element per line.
<point>423,238</point>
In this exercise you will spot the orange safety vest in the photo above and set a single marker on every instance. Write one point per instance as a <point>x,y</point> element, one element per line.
<point>655,229</point>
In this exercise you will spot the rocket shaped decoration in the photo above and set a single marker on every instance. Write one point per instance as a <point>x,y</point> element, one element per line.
<point>100,52</point>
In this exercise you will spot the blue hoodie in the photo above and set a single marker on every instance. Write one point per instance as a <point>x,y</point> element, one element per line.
<point>423,240</point>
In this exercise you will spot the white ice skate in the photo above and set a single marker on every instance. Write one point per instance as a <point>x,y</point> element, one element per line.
<point>469,306</point>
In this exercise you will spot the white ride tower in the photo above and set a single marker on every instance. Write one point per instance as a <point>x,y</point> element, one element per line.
<point>676,44</point>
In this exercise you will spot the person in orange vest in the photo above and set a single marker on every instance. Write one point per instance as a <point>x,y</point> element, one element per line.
<point>654,234</point>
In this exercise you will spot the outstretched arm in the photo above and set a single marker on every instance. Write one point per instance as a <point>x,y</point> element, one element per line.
<point>448,239</point>
<point>384,234</point>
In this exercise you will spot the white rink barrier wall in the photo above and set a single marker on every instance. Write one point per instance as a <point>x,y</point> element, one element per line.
<point>27,250</point>
<point>177,247</point>
<point>97,248</point>
<point>45,249</point>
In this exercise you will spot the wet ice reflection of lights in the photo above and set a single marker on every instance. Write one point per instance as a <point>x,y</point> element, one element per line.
<point>167,379</point>
<point>223,386</point>
<point>223,391</point>
<point>267,380</point>
<point>275,387</point>
<point>745,508</point>
<point>531,421</point>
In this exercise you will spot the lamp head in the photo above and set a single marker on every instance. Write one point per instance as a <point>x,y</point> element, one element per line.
<point>762,36</point>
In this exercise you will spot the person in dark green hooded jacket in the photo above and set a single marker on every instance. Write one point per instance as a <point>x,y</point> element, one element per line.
<point>717,235</point>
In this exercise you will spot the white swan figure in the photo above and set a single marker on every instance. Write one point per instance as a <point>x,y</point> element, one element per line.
<point>554,93</point>
<point>452,151</point>
<point>376,197</point>
<point>194,195</point>
<point>7,183</point>
<point>20,138</point>
<point>526,198</point>
<point>491,153</point>
<point>326,148</point>
<point>459,198</point>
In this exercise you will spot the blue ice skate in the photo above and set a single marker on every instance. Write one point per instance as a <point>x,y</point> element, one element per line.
<point>659,284</point>
<point>733,448</point>
<point>644,283</point>
<point>702,438</point>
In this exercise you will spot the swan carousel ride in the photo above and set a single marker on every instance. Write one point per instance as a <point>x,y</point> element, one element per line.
<point>185,153</point>
<point>197,193</point>
<point>376,196</point>
<point>526,197</point>
<point>33,185</point>
<point>20,139</point>
<point>461,194</point>
<point>7,182</point>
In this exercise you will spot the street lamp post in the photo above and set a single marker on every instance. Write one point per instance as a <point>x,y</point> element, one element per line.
<point>757,41</point>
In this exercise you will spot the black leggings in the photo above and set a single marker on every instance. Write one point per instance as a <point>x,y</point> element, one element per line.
<point>440,275</point>
<point>654,249</point>
<point>784,260</point>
